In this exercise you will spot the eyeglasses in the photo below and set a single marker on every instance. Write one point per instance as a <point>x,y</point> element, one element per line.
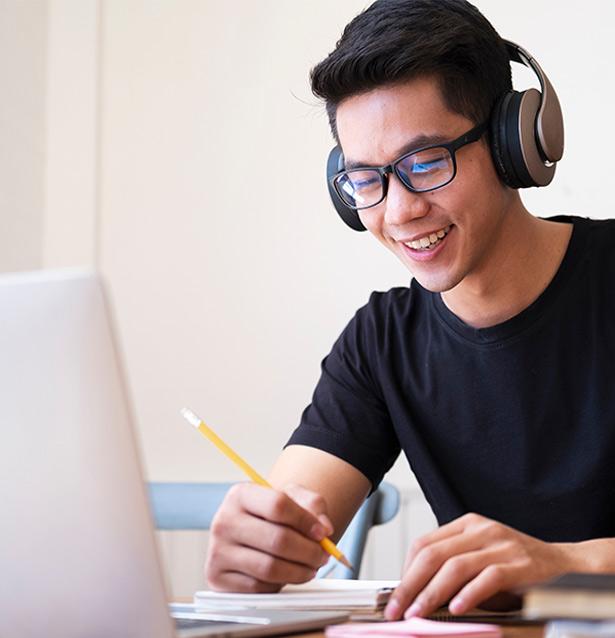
<point>419,171</point>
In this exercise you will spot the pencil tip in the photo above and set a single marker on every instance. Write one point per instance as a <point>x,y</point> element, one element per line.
<point>345,562</point>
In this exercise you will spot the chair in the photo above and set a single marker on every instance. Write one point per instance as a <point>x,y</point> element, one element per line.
<point>377,509</point>
<point>191,506</point>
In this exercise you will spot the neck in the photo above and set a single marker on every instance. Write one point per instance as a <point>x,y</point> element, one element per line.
<point>528,253</point>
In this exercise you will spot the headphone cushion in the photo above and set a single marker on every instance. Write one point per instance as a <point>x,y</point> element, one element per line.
<point>513,141</point>
<point>350,217</point>
<point>500,141</point>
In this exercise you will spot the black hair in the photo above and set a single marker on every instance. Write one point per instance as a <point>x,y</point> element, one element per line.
<point>394,41</point>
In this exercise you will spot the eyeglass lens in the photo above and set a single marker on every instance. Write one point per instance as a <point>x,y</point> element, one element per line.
<point>422,170</point>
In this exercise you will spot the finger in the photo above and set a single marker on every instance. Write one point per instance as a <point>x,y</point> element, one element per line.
<point>240,568</point>
<point>237,526</point>
<point>232,581</point>
<point>425,560</point>
<point>456,572</point>
<point>492,583</point>
<point>456,527</point>
<point>312,502</point>
<point>277,507</point>
<point>277,540</point>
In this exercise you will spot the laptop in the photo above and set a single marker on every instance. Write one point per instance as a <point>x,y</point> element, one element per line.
<point>78,553</point>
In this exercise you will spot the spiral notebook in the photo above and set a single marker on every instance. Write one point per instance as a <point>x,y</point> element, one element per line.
<point>348,595</point>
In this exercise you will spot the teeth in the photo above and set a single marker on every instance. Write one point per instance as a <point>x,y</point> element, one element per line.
<point>429,241</point>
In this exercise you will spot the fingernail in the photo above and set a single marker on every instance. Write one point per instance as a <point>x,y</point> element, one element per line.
<point>392,611</point>
<point>326,523</point>
<point>457,606</point>
<point>317,532</point>
<point>415,609</point>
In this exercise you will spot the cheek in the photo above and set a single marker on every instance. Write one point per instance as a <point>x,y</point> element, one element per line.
<point>377,229</point>
<point>480,192</point>
<point>477,161</point>
<point>372,220</point>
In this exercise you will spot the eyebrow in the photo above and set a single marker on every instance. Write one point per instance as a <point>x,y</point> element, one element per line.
<point>419,142</point>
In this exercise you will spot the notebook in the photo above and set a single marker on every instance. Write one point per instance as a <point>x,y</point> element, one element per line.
<point>77,551</point>
<point>321,593</point>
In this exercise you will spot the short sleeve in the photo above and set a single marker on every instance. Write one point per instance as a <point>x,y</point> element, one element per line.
<point>348,416</point>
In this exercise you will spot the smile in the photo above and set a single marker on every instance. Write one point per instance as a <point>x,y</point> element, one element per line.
<point>428,241</point>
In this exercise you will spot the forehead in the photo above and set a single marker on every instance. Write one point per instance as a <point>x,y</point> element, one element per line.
<point>375,127</point>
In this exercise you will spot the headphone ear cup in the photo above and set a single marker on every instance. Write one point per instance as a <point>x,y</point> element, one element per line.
<point>534,171</point>
<point>513,141</point>
<point>335,164</point>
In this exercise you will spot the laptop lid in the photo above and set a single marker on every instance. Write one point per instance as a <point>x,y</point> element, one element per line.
<point>78,554</point>
<point>77,550</point>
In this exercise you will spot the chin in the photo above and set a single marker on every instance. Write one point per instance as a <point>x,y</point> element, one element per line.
<point>434,284</point>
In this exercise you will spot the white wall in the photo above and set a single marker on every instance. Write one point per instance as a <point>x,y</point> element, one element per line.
<point>175,145</point>
<point>230,272</point>
<point>23,47</point>
<point>74,134</point>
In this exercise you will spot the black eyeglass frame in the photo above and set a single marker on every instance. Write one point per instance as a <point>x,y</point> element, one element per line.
<point>473,135</point>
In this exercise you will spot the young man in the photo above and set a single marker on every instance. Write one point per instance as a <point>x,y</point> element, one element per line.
<point>492,372</point>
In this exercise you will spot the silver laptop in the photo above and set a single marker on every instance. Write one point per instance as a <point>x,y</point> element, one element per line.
<point>77,548</point>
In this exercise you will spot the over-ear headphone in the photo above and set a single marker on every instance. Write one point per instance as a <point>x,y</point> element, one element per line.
<point>527,137</point>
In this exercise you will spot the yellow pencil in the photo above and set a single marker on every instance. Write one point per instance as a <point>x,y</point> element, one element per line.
<point>194,420</point>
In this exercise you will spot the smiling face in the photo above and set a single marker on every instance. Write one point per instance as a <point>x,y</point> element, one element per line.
<point>445,237</point>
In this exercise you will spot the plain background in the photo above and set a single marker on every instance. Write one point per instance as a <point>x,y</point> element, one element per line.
<point>175,146</point>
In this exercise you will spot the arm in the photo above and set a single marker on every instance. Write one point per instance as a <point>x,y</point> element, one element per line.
<point>474,560</point>
<point>342,486</point>
<point>262,539</point>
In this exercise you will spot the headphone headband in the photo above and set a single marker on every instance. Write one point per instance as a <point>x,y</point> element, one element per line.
<point>549,120</point>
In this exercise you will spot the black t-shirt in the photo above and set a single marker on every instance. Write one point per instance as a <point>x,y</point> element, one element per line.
<point>514,421</point>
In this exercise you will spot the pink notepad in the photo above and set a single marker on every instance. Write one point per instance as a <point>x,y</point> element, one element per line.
<point>414,628</point>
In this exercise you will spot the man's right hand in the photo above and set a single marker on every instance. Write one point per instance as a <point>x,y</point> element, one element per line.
<point>263,538</point>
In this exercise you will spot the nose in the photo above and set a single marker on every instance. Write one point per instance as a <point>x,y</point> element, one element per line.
<point>402,205</point>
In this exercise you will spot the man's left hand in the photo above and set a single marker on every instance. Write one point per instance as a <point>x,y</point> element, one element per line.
<point>474,561</point>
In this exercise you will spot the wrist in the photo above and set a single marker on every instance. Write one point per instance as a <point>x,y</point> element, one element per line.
<point>592,556</point>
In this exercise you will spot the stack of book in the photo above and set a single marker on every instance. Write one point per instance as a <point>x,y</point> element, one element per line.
<point>574,606</point>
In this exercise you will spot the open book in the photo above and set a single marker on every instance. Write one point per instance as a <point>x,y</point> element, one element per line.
<point>351,595</point>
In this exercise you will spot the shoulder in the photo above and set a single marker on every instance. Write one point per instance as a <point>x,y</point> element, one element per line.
<point>398,311</point>
<point>593,229</point>
<point>591,244</point>
<point>601,232</point>
<point>396,302</point>
<point>588,269</point>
